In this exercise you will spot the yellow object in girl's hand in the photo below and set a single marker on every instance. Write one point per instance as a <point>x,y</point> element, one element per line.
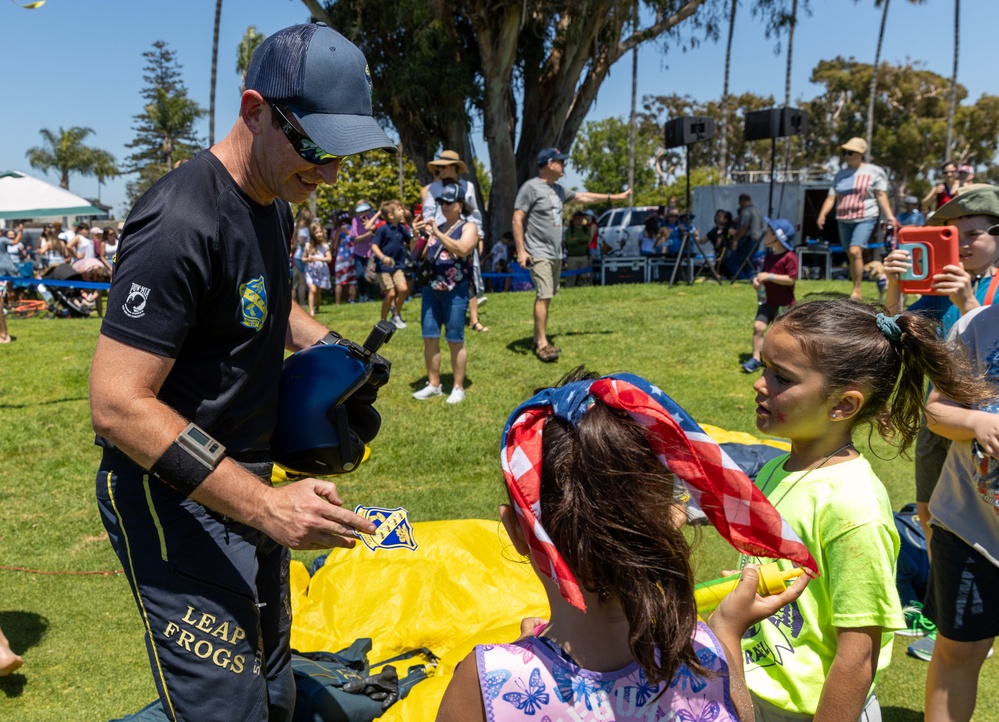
<point>773,580</point>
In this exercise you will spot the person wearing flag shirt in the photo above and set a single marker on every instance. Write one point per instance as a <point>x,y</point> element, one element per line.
<point>860,193</point>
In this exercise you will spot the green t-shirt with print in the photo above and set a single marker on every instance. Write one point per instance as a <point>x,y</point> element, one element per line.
<point>843,515</point>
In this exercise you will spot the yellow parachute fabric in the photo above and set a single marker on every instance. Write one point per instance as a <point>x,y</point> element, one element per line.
<point>464,585</point>
<point>724,436</point>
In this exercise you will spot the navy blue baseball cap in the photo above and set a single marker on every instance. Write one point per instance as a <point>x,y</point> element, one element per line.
<point>323,79</point>
<point>449,194</point>
<point>784,230</point>
<point>549,154</point>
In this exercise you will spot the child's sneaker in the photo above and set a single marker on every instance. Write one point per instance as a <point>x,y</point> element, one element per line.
<point>916,624</point>
<point>398,322</point>
<point>751,366</point>
<point>457,396</point>
<point>427,391</point>
<point>923,648</point>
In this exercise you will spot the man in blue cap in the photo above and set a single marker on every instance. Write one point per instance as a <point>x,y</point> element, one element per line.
<point>184,385</point>
<point>537,233</point>
<point>774,284</point>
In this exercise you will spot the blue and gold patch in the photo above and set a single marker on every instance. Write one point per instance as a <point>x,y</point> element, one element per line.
<point>392,528</point>
<point>253,303</point>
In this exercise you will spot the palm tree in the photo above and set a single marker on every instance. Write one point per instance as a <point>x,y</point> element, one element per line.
<point>953,83</point>
<point>883,4</point>
<point>634,117</point>
<point>723,141</point>
<point>792,23</point>
<point>250,42</point>
<point>66,153</point>
<point>215,63</point>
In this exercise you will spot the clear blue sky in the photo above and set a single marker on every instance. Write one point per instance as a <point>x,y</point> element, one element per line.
<point>74,63</point>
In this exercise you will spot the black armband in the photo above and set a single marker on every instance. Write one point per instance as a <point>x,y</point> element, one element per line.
<point>189,460</point>
<point>329,339</point>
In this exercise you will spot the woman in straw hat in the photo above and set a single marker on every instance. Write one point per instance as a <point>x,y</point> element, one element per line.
<point>860,194</point>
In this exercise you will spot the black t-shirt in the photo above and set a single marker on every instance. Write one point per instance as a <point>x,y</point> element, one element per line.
<point>201,276</point>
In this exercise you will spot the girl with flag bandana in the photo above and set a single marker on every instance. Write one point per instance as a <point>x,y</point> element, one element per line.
<point>590,467</point>
<point>828,367</point>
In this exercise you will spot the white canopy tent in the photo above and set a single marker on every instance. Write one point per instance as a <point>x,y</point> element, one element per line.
<point>22,196</point>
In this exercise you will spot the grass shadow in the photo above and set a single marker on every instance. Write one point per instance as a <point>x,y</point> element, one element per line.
<point>523,346</point>
<point>24,630</point>
<point>900,714</point>
<point>447,382</point>
<point>823,296</point>
<point>44,403</point>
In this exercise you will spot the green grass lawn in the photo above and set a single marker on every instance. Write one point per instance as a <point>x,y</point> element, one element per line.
<point>80,634</point>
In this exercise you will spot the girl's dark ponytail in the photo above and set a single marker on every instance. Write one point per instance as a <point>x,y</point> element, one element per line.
<point>888,357</point>
<point>608,506</point>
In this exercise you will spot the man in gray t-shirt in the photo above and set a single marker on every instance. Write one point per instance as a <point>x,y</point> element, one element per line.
<point>537,232</point>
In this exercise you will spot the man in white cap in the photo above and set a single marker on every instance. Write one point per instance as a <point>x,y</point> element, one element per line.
<point>860,194</point>
<point>965,175</point>
<point>912,216</point>
<point>184,385</point>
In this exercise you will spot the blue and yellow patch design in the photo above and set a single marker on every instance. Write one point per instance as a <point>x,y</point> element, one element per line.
<point>253,303</point>
<point>392,528</point>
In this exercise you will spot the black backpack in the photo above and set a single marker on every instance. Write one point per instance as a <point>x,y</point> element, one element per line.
<point>913,570</point>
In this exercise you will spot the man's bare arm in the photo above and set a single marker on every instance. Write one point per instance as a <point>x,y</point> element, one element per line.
<point>124,384</point>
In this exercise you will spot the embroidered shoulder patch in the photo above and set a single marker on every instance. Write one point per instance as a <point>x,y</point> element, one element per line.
<point>392,528</point>
<point>253,303</point>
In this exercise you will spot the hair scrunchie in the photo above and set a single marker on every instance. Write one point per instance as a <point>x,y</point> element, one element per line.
<point>888,325</point>
<point>733,504</point>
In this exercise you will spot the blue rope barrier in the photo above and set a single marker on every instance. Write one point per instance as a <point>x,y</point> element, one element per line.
<point>21,281</point>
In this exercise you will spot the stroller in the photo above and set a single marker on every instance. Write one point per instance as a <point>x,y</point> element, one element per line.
<point>66,302</point>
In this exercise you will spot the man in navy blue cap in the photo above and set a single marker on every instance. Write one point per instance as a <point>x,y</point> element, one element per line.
<point>537,232</point>
<point>184,385</point>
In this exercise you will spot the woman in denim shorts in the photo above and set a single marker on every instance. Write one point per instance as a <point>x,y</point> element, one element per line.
<point>445,297</point>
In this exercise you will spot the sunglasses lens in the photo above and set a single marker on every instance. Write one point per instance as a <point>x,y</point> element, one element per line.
<point>313,153</point>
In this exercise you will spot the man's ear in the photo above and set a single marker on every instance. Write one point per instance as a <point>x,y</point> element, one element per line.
<point>254,111</point>
<point>848,405</point>
<point>512,525</point>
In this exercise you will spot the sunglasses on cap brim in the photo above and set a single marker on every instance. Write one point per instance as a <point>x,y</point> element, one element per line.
<point>303,145</point>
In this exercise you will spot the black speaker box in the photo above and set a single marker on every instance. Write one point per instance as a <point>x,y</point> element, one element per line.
<point>775,123</point>
<point>688,130</point>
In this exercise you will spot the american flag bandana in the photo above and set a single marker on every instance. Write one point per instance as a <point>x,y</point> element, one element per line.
<point>732,503</point>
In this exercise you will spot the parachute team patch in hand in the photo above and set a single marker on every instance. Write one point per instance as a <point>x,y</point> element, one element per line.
<point>392,528</point>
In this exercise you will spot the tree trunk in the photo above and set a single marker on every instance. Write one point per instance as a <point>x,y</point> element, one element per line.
<point>215,63</point>
<point>723,140</point>
<point>634,118</point>
<point>874,82</point>
<point>498,46</point>
<point>952,109</point>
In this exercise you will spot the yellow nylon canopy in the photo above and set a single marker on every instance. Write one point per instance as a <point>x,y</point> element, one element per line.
<point>464,585</point>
